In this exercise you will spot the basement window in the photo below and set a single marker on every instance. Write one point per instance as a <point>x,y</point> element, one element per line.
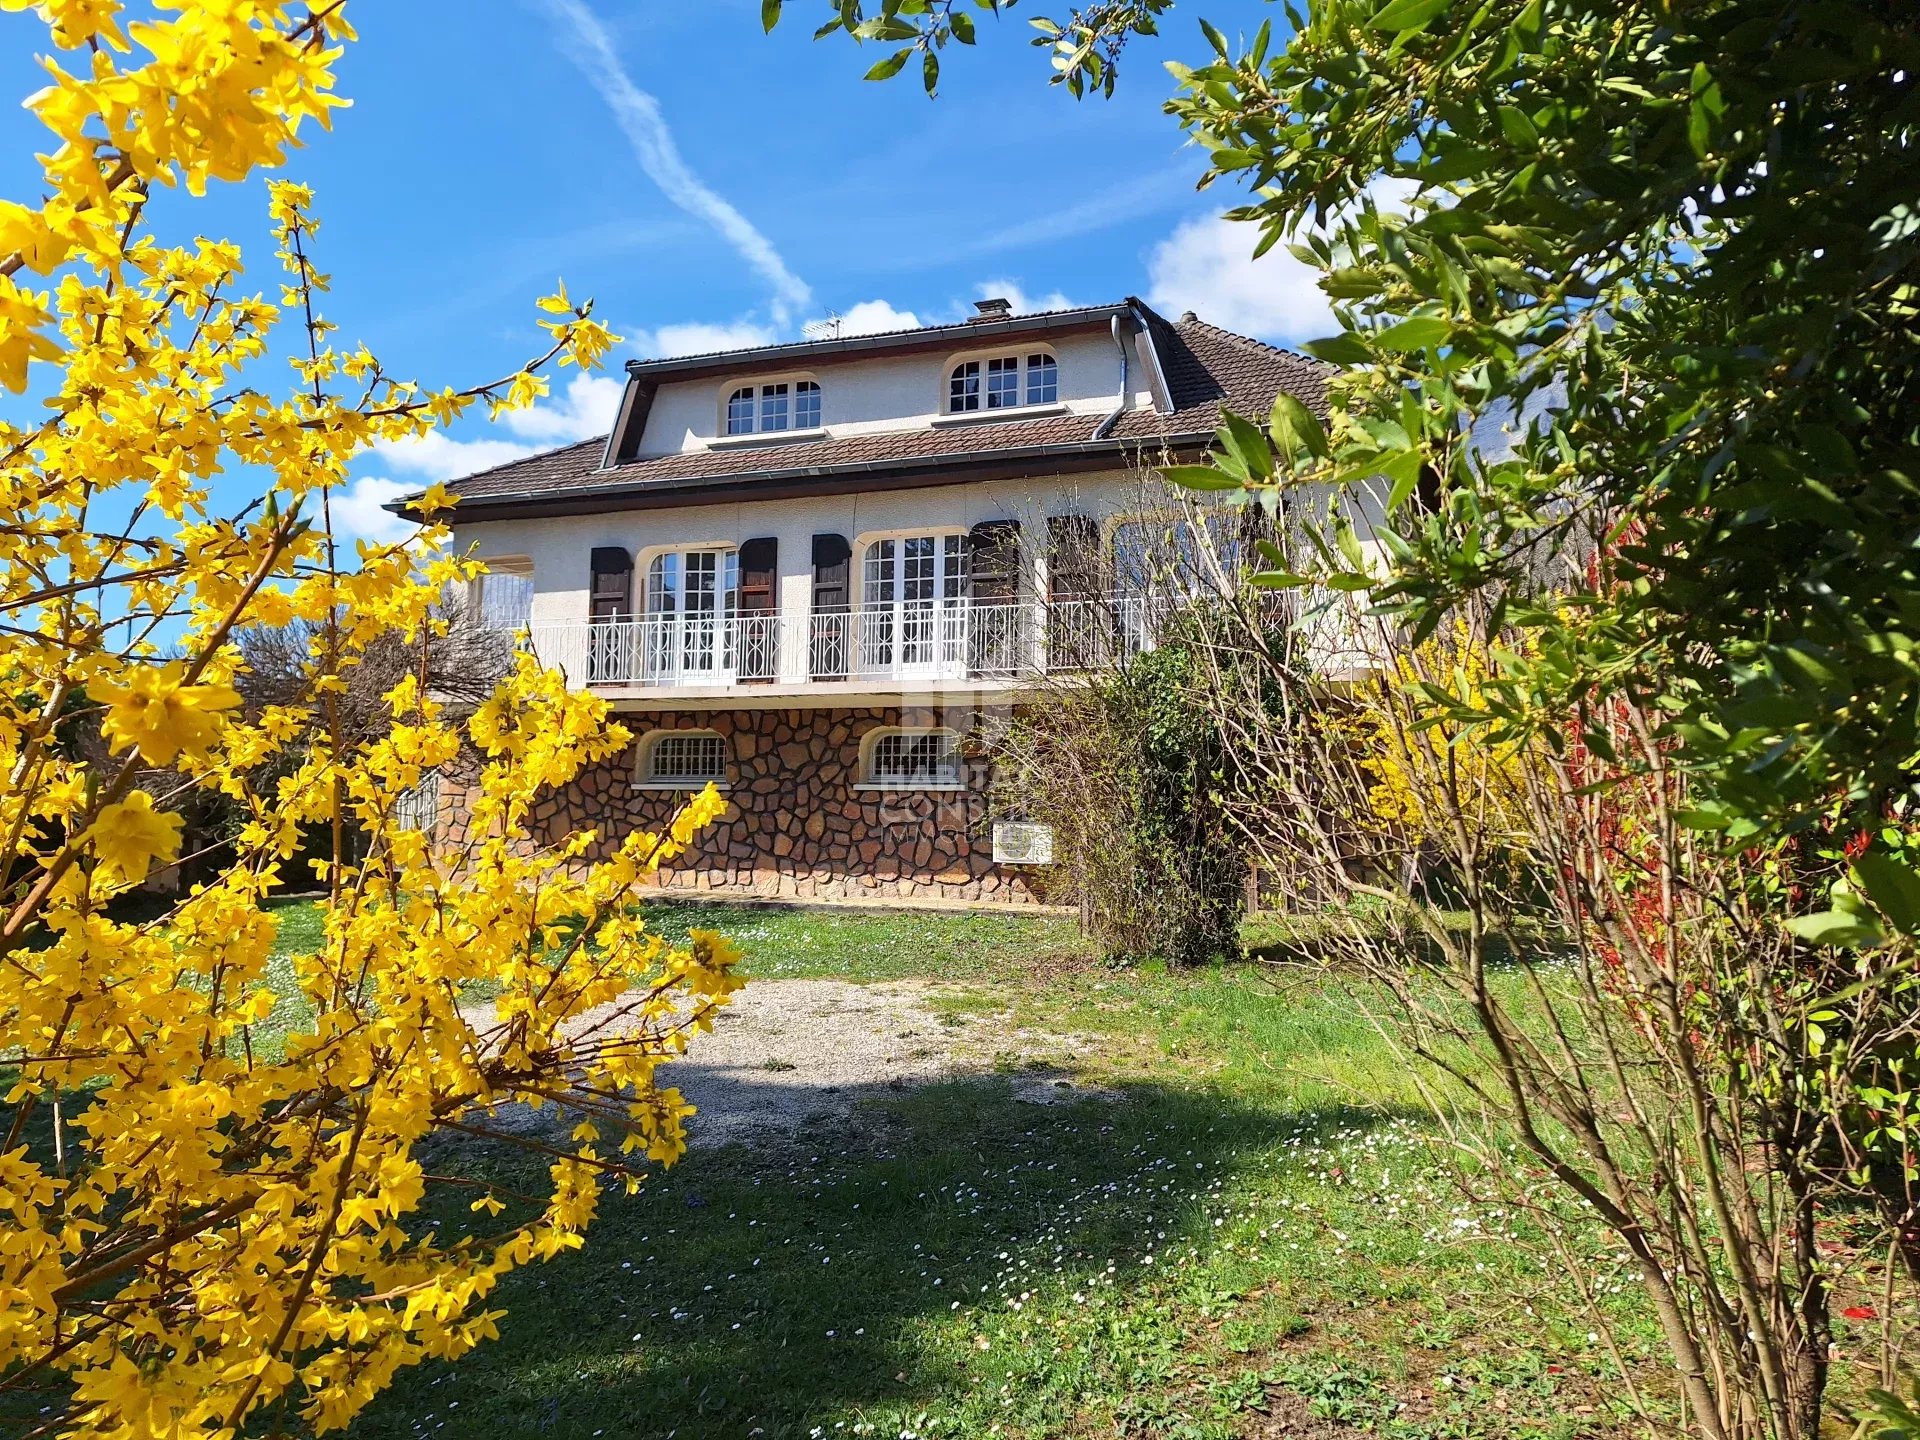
<point>683,759</point>
<point>912,760</point>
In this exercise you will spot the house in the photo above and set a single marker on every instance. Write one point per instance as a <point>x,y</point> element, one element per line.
<point>812,573</point>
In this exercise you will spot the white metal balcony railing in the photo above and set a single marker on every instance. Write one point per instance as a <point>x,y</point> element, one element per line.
<point>935,640</point>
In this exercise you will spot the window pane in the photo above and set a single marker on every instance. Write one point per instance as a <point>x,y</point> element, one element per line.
<point>1003,382</point>
<point>773,407</point>
<point>1043,380</point>
<point>663,584</point>
<point>506,600</point>
<point>916,568</point>
<point>740,411</point>
<point>699,585</point>
<point>963,389</point>
<point>1175,555</point>
<point>415,809</point>
<point>953,567</point>
<point>806,406</point>
<point>877,586</point>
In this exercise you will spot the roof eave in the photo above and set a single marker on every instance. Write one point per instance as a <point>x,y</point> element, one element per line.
<point>1118,445</point>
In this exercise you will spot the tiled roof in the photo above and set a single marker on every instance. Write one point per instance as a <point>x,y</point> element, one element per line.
<point>1207,369</point>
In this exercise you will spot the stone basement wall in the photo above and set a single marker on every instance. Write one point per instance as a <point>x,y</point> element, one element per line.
<point>796,828</point>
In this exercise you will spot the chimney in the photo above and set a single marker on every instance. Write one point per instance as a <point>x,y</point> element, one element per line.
<point>995,307</point>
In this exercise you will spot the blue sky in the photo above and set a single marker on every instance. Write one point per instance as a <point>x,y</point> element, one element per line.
<point>711,186</point>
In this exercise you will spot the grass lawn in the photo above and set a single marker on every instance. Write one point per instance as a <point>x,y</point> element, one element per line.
<point>1234,1226</point>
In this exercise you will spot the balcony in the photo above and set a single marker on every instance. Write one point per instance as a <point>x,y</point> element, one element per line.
<point>934,644</point>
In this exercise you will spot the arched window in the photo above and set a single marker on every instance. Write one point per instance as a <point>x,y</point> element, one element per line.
<point>772,407</point>
<point>693,583</point>
<point>683,759</point>
<point>1003,382</point>
<point>913,569</point>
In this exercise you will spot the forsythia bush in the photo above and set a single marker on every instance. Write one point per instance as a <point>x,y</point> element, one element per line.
<point>207,1227</point>
<point>1422,769</point>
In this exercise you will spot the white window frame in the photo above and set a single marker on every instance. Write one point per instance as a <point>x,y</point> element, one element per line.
<point>419,807</point>
<point>647,757</point>
<point>761,396</point>
<point>987,369</point>
<point>871,741</point>
<point>726,589</point>
<point>949,581</point>
<point>516,567</point>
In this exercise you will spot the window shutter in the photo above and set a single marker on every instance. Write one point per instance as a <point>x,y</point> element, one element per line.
<point>611,594</point>
<point>759,568</point>
<point>1257,523</point>
<point>1076,628</point>
<point>831,644</point>
<point>831,557</point>
<point>1073,557</point>
<point>995,561</point>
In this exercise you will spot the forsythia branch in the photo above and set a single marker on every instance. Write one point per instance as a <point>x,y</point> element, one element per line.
<point>218,1224</point>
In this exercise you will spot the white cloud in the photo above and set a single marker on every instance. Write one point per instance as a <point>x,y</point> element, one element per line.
<point>871,317</point>
<point>585,408</point>
<point>1207,266</point>
<point>441,457</point>
<point>1022,302</point>
<point>357,513</point>
<point>638,113</point>
<point>701,337</point>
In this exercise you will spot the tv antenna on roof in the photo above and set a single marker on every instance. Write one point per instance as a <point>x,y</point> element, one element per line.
<point>827,329</point>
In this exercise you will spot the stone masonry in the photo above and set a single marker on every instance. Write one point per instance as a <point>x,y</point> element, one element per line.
<point>796,826</point>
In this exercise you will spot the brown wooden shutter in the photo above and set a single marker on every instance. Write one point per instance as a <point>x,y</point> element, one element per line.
<point>759,569</point>
<point>994,562</point>
<point>756,649</point>
<point>1073,557</point>
<point>832,556</point>
<point>1257,523</point>
<point>1076,630</point>
<point>611,594</point>
<point>997,640</point>
<point>831,640</point>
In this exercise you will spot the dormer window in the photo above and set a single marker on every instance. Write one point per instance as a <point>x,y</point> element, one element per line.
<point>770,408</point>
<point>1003,382</point>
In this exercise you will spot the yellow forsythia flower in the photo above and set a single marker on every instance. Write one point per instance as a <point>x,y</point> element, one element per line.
<point>153,712</point>
<point>128,837</point>
<point>231,1239</point>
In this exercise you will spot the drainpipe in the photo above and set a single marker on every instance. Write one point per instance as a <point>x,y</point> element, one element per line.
<point>1105,427</point>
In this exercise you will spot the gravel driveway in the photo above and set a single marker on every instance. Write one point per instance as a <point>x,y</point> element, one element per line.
<point>789,1055</point>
